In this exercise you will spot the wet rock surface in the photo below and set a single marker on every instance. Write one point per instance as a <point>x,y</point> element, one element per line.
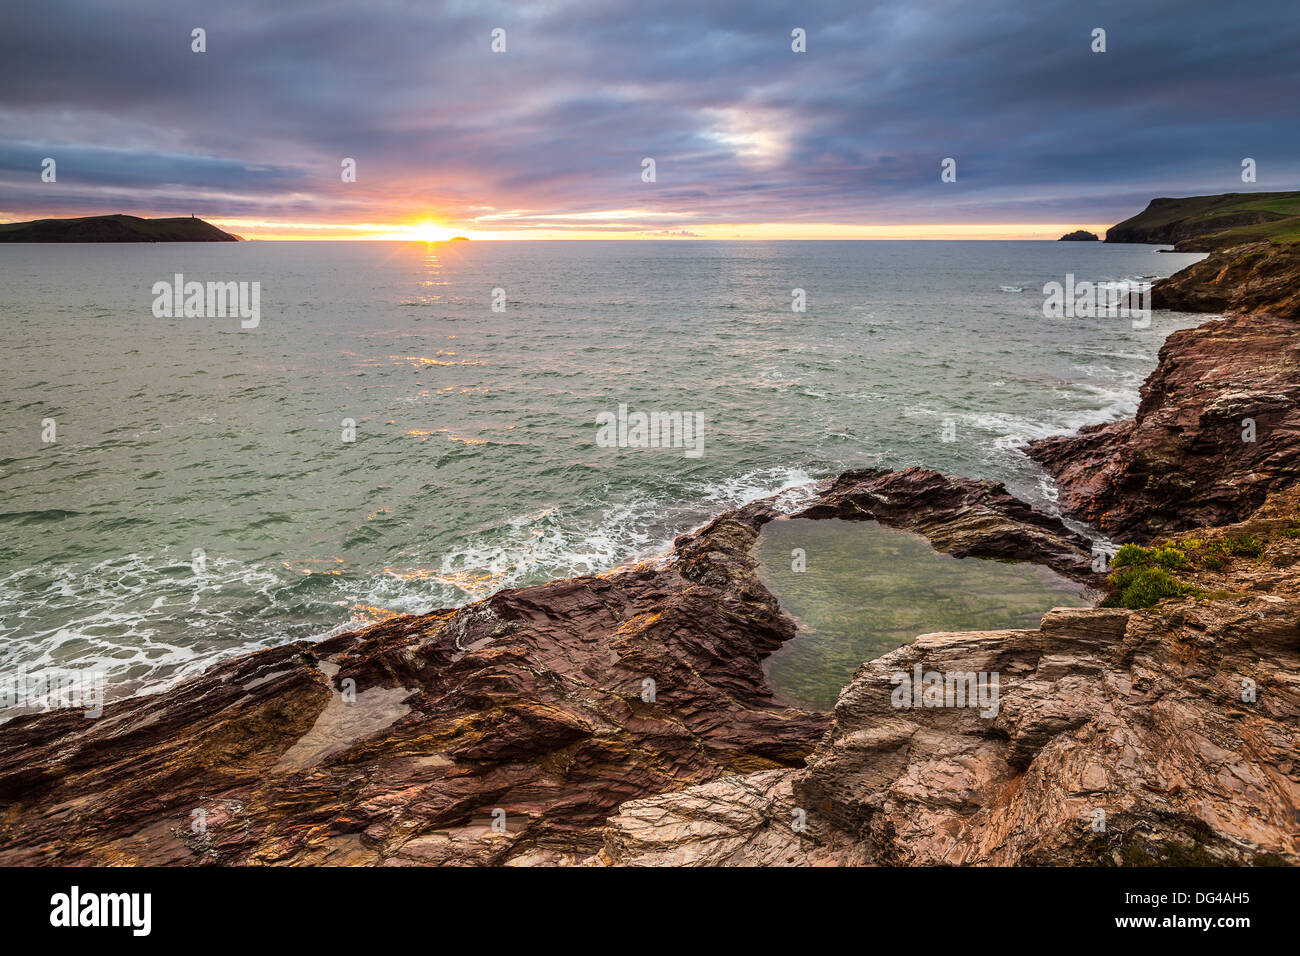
<point>507,731</point>
<point>1159,737</point>
<point>624,718</point>
<point>1184,462</point>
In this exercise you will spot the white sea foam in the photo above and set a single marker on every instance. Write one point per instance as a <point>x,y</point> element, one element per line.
<point>484,420</point>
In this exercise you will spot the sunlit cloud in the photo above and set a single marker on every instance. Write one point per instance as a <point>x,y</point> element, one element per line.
<point>547,140</point>
<point>758,137</point>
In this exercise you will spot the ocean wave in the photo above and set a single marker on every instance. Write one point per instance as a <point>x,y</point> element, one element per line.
<point>242,447</point>
<point>148,620</point>
<point>39,516</point>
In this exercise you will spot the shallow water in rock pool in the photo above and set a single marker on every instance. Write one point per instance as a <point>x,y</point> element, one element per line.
<point>868,589</point>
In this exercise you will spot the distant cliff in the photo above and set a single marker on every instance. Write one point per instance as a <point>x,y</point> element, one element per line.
<point>1207,223</point>
<point>1254,245</point>
<point>113,229</point>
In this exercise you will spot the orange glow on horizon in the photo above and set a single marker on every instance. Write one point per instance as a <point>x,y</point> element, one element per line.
<point>431,230</point>
<point>424,231</point>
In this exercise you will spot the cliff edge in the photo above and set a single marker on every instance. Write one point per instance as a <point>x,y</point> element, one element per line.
<point>118,228</point>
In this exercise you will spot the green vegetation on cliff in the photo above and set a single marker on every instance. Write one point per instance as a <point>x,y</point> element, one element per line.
<point>1206,223</point>
<point>1143,577</point>
<point>116,228</point>
<point>1254,245</point>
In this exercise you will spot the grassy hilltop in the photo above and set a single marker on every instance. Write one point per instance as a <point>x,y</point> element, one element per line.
<point>1207,223</point>
<point>117,228</point>
<point>1254,245</point>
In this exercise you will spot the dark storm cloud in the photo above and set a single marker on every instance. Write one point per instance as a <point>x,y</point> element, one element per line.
<point>741,128</point>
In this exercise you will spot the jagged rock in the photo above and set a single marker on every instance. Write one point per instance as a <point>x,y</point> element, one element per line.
<point>530,709</point>
<point>960,516</point>
<point>1182,462</point>
<point>528,703</point>
<point>732,821</point>
<point>1131,719</point>
<point>1120,737</point>
<point>1256,277</point>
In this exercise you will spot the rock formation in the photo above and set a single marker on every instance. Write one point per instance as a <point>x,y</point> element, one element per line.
<point>1259,277</point>
<point>533,709</point>
<point>1191,457</point>
<point>117,228</point>
<point>1165,736</point>
<point>624,718</point>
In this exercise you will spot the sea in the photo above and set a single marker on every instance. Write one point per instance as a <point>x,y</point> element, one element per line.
<point>412,426</point>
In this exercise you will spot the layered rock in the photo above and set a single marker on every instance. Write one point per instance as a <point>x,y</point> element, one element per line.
<point>731,821</point>
<point>1120,737</point>
<point>960,516</point>
<point>527,706</point>
<point>1184,461</point>
<point>507,731</point>
<point>1254,277</point>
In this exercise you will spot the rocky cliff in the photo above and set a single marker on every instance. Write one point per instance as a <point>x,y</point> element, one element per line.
<point>1258,277</point>
<point>1218,427</point>
<point>507,731</point>
<point>1254,241</point>
<point>1205,223</point>
<point>114,229</point>
<point>1217,430</point>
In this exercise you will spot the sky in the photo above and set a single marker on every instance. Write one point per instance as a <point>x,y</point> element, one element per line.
<point>547,139</point>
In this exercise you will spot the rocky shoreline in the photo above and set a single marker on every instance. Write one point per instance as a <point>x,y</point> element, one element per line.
<point>624,718</point>
<point>532,705</point>
<point>1259,277</point>
<point>1217,430</point>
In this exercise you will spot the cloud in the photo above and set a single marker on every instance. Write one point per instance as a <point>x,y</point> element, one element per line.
<point>742,129</point>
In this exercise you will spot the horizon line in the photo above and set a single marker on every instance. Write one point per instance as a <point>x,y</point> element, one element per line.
<point>433,231</point>
<point>430,228</point>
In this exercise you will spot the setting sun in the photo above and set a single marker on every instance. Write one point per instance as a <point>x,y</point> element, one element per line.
<point>428,231</point>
